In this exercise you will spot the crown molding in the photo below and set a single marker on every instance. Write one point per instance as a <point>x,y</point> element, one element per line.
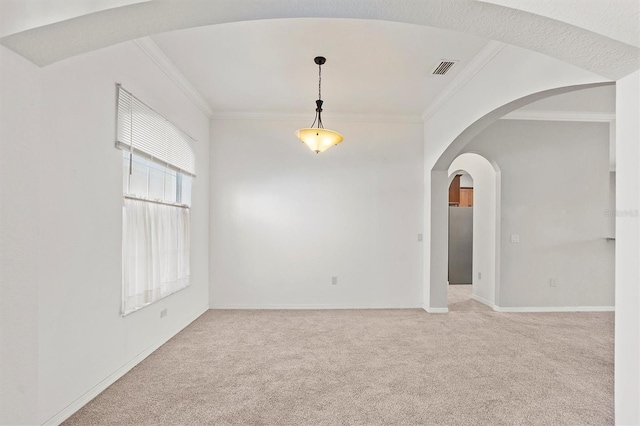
<point>151,49</point>
<point>523,114</point>
<point>296,116</point>
<point>488,52</point>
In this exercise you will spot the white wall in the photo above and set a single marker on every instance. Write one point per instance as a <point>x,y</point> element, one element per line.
<point>600,99</point>
<point>19,140</point>
<point>447,131</point>
<point>466,181</point>
<point>486,182</point>
<point>612,203</point>
<point>627,337</point>
<point>555,196</point>
<point>74,205</point>
<point>284,220</point>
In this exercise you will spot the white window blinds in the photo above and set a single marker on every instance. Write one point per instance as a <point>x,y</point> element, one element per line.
<point>146,133</point>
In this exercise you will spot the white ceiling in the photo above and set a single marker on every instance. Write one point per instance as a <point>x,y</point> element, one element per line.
<point>539,27</point>
<point>373,67</point>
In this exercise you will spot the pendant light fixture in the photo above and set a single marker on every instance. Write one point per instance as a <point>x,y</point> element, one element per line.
<point>319,139</point>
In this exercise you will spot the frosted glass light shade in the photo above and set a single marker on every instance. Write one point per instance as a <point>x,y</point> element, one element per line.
<point>319,140</point>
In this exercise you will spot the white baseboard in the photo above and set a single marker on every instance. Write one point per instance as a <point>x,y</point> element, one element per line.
<point>95,391</point>
<point>554,308</point>
<point>435,310</point>
<point>484,301</point>
<point>309,306</point>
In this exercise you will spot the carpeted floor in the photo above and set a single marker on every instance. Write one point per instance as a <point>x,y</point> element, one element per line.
<point>371,367</point>
<point>459,299</point>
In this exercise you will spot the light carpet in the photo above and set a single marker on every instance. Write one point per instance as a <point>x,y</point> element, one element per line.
<point>371,367</point>
<point>459,299</point>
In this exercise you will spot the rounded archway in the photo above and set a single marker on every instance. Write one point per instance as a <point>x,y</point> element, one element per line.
<point>603,54</point>
<point>485,273</point>
<point>436,190</point>
<point>577,46</point>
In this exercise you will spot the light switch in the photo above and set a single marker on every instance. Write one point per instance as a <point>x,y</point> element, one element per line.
<point>515,238</point>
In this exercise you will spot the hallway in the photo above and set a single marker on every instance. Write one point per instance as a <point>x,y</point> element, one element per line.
<point>459,300</point>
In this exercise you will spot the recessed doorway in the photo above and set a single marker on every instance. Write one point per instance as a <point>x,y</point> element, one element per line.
<point>461,230</point>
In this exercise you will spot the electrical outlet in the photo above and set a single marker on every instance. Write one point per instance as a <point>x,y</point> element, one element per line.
<point>552,282</point>
<point>515,238</point>
<point>163,313</point>
<point>419,237</point>
<point>334,280</point>
<point>479,275</point>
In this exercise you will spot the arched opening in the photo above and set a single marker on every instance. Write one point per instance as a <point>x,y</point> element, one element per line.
<point>474,233</point>
<point>414,17</point>
<point>461,233</point>
<point>437,214</point>
<point>460,228</point>
<point>71,37</point>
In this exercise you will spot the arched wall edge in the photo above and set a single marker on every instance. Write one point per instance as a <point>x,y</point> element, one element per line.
<point>486,174</point>
<point>538,32</point>
<point>436,197</point>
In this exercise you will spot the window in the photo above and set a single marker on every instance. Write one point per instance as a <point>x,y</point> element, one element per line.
<point>152,181</point>
<point>158,170</point>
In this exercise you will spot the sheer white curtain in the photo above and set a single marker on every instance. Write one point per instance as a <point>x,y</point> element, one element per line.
<point>155,252</point>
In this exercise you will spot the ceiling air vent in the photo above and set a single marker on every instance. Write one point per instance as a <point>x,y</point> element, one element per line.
<point>443,67</point>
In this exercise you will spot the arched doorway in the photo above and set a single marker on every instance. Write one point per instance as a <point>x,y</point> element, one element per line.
<point>436,194</point>
<point>460,228</point>
<point>483,213</point>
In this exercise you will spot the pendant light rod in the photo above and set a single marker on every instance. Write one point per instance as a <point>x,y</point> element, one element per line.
<point>318,114</point>
<point>319,60</point>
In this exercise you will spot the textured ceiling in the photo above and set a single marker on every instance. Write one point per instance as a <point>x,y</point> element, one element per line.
<point>616,19</point>
<point>586,49</point>
<point>373,67</point>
